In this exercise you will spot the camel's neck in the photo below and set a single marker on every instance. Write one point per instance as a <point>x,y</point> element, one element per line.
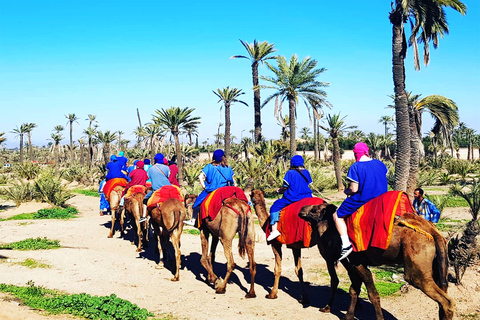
<point>262,214</point>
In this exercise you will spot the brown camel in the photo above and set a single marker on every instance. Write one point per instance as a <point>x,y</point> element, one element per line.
<point>134,207</point>
<point>189,201</point>
<point>258,200</point>
<point>169,217</point>
<point>234,216</point>
<point>115,208</point>
<point>424,258</point>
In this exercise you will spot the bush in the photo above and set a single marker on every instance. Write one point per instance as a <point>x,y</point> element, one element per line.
<point>20,192</point>
<point>3,179</point>
<point>27,170</point>
<point>50,189</point>
<point>56,213</point>
<point>32,244</point>
<point>457,166</point>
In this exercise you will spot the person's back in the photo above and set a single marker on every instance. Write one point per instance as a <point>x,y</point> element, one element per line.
<point>217,176</point>
<point>114,169</point>
<point>173,173</point>
<point>298,181</point>
<point>122,160</point>
<point>158,174</point>
<point>138,176</point>
<point>371,176</point>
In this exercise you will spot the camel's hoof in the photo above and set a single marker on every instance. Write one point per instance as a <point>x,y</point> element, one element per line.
<point>139,250</point>
<point>325,309</point>
<point>250,295</point>
<point>110,236</point>
<point>175,279</point>
<point>271,296</point>
<point>217,283</point>
<point>220,291</point>
<point>159,266</point>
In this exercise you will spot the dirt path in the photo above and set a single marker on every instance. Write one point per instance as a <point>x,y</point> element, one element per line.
<point>91,263</point>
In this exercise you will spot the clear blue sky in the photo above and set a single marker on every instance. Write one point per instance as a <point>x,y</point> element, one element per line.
<point>110,57</point>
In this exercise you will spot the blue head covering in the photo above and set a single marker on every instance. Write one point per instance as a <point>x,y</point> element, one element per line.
<point>113,157</point>
<point>146,161</point>
<point>158,158</point>
<point>120,154</point>
<point>135,162</point>
<point>218,154</point>
<point>297,161</point>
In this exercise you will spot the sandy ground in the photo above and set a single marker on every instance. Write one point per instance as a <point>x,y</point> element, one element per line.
<point>90,262</point>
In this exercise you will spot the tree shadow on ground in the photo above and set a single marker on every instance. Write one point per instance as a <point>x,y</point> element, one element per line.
<point>6,207</point>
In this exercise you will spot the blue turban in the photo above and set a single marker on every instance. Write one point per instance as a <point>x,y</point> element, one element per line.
<point>217,155</point>
<point>158,158</point>
<point>120,154</point>
<point>146,161</point>
<point>113,157</point>
<point>297,161</point>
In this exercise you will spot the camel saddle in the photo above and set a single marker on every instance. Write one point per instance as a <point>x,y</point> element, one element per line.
<point>372,224</point>
<point>214,202</point>
<point>159,196</point>
<point>293,228</point>
<point>135,189</point>
<point>111,184</point>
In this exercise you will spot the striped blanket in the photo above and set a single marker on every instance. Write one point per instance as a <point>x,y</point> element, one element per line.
<point>214,201</point>
<point>162,194</point>
<point>371,225</point>
<point>135,189</point>
<point>111,184</point>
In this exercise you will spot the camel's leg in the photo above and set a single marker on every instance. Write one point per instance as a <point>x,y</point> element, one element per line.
<point>227,249</point>
<point>277,252</point>
<point>175,239</point>
<point>297,256</point>
<point>333,285</point>
<point>205,260</point>
<point>139,234</point>
<point>354,292</point>
<point>158,235</point>
<point>373,295</point>
<point>213,250</point>
<point>251,259</point>
<point>122,218</point>
<point>112,229</point>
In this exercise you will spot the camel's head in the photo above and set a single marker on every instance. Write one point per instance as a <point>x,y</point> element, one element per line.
<point>189,201</point>
<point>316,213</point>
<point>257,197</point>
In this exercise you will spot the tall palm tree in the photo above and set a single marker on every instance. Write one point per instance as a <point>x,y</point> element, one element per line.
<point>20,132</point>
<point>294,80</point>
<point>153,131</point>
<point>191,130</point>
<point>90,132</point>
<point>71,119</point>
<point>175,119</point>
<point>386,121</point>
<point>106,138</point>
<point>81,143</point>
<point>92,118</point>
<point>316,106</point>
<point>428,21</point>
<point>57,137</point>
<point>257,53</point>
<point>305,131</point>
<point>29,127</point>
<point>120,132</point>
<point>141,135</point>
<point>228,96</point>
<point>336,127</point>
<point>284,122</point>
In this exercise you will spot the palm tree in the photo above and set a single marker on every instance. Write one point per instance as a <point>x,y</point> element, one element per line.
<point>29,127</point>
<point>152,131</point>
<point>191,130</point>
<point>257,52</point>
<point>305,133</point>
<point>141,135</point>
<point>106,138</point>
<point>294,80</point>
<point>81,142</point>
<point>228,96</point>
<point>284,122</point>
<point>120,139</point>
<point>57,138</point>
<point>316,106</point>
<point>71,119</point>
<point>336,127</point>
<point>428,21</point>
<point>386,121</point>
<point>90,132</point>
<point>20,132</point>
<point>92,119</point>
<point>175,119</point>
<point>2,138</point>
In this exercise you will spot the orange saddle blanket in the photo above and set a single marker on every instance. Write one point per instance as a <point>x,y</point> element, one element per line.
<point>371,225</point>
<point>214,201</point>
<point>293,228</point>
<point>135,189</point>
<point>111,184</point>
<point>164,193</point>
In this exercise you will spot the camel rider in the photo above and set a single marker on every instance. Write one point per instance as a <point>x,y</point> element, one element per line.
<point>158,174</point>
<point>295,187</point>
<point>368,179</point>
<point>122,160</point>
<point>215,175</point>
<point>114,169</point>
<point>137,177</point>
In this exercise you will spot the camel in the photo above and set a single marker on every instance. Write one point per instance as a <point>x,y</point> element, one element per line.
<point>258,200</point>
<point>424,259</point>
<point>114,201</point>
<point>134,206</point>
<point>189,201</point>
<point>169,217</point>
<point>234,216</point>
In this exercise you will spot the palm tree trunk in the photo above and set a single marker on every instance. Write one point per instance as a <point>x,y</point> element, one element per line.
<point>315,139</point>
<point>106,152</point>
<point>178,151</point>
<point>291,112</point>
<point>227,129</point>
<point>414,156</point>
<point>337,164</point>
<point>402,163</point>
<point>256,103</point>
<point>30,149</point>
<point>90,152</point>
<point>21,147</point>
<point>71,141</point>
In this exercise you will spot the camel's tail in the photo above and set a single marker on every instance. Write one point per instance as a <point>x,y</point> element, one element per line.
<point>440,263</point>
<point>243,222</point>
<point>176,220</point>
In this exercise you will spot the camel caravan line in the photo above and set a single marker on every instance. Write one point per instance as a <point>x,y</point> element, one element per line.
<point>385,231</point>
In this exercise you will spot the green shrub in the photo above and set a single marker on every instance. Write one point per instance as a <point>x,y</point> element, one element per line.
<point>458,166</point>
<point>51,190</point>
<point>32,264</point>
<point>32,244</point>
<point>3,179</point>
<point>87,192</point>
<point>20,192</point>
<point>84,305</point>
<point>56,213</point>
<point>26,170</point>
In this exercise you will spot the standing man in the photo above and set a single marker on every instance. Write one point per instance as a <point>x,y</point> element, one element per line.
<point>425,207</point>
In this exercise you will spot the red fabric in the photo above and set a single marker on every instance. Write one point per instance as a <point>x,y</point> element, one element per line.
<point>173,175</point>
<point>135,189</point>
<point>371,225</point>
<point>214,201</point>
<point>111,184</point>
<point>164,193</point>
<point>292,227</point>
<point>138,177</point>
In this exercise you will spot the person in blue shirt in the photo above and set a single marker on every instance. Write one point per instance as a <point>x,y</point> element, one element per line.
<point>368,179</point>
<point>114,169</point>
<point>295,187</point>
<point>158,174</point>
<point>122,160</point>
<point>104,204</point>
<point>425,207</point>
<point>215,175</point>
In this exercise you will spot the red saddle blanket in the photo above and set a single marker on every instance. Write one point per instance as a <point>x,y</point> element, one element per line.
<point>135,189</point>
<point>371,225</point>
<point>111,184</point>
<point>159,196</point>
<point>214,201</point>
<point>292,227</point>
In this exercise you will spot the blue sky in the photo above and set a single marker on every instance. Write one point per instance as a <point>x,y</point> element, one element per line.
<point>109,58</point>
